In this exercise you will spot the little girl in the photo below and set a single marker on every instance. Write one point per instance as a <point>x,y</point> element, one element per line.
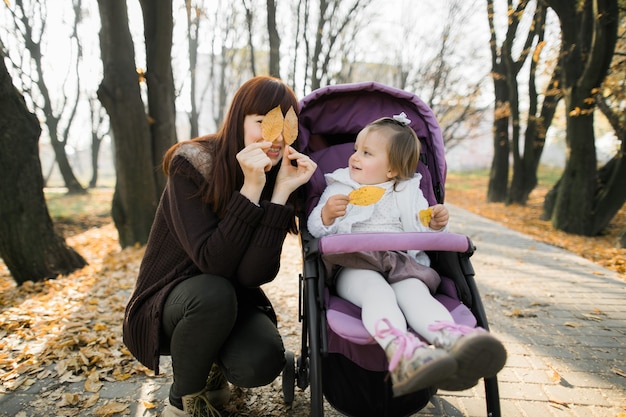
<point>394,288</point>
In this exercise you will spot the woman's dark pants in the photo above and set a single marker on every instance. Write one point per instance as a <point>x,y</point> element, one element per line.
<point>203,323</point>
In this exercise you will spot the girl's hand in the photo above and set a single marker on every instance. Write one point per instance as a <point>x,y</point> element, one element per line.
<point>335,206</point>
<point>254,163</point>
<point>440,217</point>
<point>291,177</point>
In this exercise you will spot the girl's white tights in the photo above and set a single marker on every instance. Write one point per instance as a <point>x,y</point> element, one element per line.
<point>405,301</point>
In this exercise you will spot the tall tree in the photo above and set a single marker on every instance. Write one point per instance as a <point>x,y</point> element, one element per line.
<point>508,117</point>
<point>57,108</point>
<point>196,14</point>
<point>525,167</point>
<point>439,73</point>
<point>499,173</point>
<point>526,157</point>
<point>29,246</point>
<point>99,130</point>
<point>229,63</point>
<point>332,19</point>
<point>136,189</point>
<point>589,35</point>
<point>249,11</point>
<point>504,70</point>
<point>300,38</point>
<point>274,39</point>
<point>158,24</point>
<point>610,102</point>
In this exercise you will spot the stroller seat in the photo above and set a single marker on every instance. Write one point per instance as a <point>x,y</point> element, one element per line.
<point>344,318</point>
<point>349,334</point>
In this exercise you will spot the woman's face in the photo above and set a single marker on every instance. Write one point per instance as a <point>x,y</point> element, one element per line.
<point>369,164</point>
<point>252,133</point>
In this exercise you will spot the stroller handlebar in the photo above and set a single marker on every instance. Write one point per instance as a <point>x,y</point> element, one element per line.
<point>359,242</point>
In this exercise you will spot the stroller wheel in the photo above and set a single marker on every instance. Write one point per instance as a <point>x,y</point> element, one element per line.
<point>289,377</point>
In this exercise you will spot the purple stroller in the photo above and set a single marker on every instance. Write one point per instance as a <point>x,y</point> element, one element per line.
<point>339,358</point>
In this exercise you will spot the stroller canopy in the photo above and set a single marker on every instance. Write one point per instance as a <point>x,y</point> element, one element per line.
<point>334,114</point>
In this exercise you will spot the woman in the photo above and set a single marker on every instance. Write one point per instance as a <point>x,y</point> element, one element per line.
<point>217,236</point>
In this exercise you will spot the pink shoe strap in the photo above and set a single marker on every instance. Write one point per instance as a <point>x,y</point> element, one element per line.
<point>406,342</point>
<point>453,328</point>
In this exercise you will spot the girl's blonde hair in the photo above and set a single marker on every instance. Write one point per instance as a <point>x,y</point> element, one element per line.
<point>404,146</point>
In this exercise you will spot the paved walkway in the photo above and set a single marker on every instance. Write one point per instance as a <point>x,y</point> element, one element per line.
<point>562,319</point>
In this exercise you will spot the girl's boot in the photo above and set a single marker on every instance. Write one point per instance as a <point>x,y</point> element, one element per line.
<point>413,365</point>
<point>478,354</point>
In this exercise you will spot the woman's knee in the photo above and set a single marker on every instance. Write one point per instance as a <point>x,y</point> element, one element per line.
<point>254,354</point>
<point>200,299</point>
<point>259,368</point>
<point>210,293</point>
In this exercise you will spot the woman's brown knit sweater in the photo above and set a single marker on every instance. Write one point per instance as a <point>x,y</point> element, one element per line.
<point>187,239</point>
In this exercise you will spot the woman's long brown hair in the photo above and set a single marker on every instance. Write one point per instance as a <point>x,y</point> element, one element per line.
<point>258,95</point>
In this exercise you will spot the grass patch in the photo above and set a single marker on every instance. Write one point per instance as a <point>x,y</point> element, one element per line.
<point>470,180</point>
<point>469,191</point>
<point>548,176</point>
<point>96,202</point>
<point>75,213</point>
<point>466,180</point>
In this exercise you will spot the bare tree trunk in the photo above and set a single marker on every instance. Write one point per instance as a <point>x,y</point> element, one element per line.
<point>58,134</point>
<point>300,32</point>
<point>317,49</point>
<point>97,134</point>
<point>505,70</point>
<point>578,182</point>
<point>307,43</point>
<point>612,194</point>
<point>525,164</point>
<point>274,38</point>
<point>158,24</point>
<point>610,103</point>
<point>499,172</point>
<point>193,30</point>
<point>589,35</point>
<point>95,152</point>
<point>29,245</point>
<point>535,139</point>
<point>332,21</point>
<point>69,179</point>
<point>135,197</point>
<point>249,24</point>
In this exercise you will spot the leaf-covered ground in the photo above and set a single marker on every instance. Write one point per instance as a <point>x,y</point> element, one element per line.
<point>472,195</point>
<point>65,335</point>
<point>69,329</point>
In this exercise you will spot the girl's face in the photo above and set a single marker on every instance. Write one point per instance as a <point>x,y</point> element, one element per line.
<point>252,133</point>
<point>369,164</point>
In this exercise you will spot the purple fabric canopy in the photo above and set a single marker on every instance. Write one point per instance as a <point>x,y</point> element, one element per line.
<point>333,115</point>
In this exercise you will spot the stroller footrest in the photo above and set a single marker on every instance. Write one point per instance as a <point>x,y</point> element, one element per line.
<point>349,337</point>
